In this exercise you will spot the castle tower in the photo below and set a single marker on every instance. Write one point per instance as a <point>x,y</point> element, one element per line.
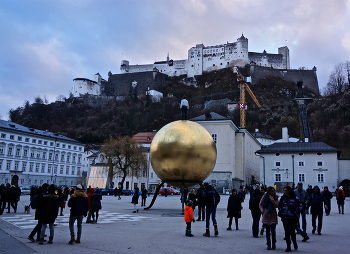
<point>124,67</point>
<point>285,52</point>
<point>242,46</point>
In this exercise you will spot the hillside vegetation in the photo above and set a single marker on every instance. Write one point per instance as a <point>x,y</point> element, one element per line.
<point>92,119</point>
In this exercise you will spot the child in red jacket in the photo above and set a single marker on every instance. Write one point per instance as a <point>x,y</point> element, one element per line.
<point>189,217</point>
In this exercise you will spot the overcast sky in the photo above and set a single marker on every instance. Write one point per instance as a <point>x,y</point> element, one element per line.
<point>45,44</point>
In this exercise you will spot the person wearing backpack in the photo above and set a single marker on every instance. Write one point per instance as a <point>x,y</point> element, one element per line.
<point>38,212</point>
<point>254,201</point>
<point>212,199</point>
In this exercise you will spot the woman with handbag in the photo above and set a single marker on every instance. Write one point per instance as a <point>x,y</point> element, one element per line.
<point>289,208</point>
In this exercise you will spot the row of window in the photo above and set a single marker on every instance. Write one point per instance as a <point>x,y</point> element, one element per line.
<point>38,155</point>
<point>40,142</point>
<point>212,50</point>
<point>302,154</point>
<point>40,182</point>
<point>301,177</point>
<point>40,167</point>
<point>300,163</point>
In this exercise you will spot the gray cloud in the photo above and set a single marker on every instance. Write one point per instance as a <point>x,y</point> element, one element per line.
<point>46,44</point>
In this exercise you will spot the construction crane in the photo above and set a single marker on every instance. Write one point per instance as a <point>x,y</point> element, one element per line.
<point>243,86</point>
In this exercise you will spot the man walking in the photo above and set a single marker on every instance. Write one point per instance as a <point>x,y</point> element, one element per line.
<point>79,206</point>
<point>144,196</point>
<point>340,199</point>
<point>328,195</point>
<point>316,202</point>
<point>184,107</point>
<point>304,199</point>
<point>212,199</point>
<point>200,203</point>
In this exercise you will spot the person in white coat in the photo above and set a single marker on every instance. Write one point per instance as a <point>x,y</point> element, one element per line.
<point>184,108</point>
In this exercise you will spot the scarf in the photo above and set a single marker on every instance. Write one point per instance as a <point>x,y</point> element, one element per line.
<point>267,203</point>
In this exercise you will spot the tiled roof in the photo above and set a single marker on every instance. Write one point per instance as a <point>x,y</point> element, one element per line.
<point>144,137</point>
<point>297,147</point>
<point>16,127</point>
<point>209,117</point>
<point>261,135</point>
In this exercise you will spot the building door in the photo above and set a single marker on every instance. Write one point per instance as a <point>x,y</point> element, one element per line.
<point>14,180</point>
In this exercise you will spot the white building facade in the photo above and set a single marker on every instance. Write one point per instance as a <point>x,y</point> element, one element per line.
<point>34,157</point>
<point>313,163</point>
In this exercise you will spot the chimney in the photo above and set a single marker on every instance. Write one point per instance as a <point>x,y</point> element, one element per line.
<point>285,136</point>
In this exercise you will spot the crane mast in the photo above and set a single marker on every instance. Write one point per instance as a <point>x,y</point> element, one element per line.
<point>242,106</point>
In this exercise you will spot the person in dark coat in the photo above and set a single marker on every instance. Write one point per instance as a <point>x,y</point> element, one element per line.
<point>200,203</point>
<point>340,199</point>
<point>12,199</point>
<point>3,198</point>
<point>303,197</point>
<point>96,204</point>
<point>234,207</point>
<point>328,195</point>
<point>49,210</point>
<point>79,206</point>
<point>192,197</point>
<point>255,211</point>
<point>317,201</point>
<point>211,199</point>
<point>289,207</point>
<point>135,199</point>
<point>309,191</point>
<point>144,196</point>
<point>38,213</point>
<point>61,200</point>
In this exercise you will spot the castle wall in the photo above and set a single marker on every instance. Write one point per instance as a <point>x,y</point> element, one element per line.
<point>308,77</point>
<point>121,84</point>
<point>85,86</point>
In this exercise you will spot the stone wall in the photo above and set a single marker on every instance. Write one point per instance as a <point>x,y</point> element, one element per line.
<point>309,77</point>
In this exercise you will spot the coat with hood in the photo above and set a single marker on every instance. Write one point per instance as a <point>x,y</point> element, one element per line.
<point>96,200</point>
<point>78,203</point>
<point>317,200</point>
<point>49,208</point>
<point>269,218</point>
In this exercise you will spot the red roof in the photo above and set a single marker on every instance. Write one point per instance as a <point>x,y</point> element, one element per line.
<point>144,137</point>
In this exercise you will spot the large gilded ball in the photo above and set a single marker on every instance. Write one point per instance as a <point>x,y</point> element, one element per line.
<point>183,151</point>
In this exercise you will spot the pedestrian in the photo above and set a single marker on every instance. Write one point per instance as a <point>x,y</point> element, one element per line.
<point>267,205</point>
<point>61,200</point>
<point>211,199</point>
<point>340,199</point>
<point>49,206</point>
<point>96,204</point>
<point>200,204</point>
<point>119,192</point>
<point>328,195</point>
<point>38,213</point>
<point>88,219</point>
<point>135,199</point>
<point>184,108</point>
<point>262,192</point>
<point>3,198</point>
<point>254,201</point>
<point>12,199</point>
<point>303,199</point>
<point>317,201</point>
<point>289,207</point>
<point>79,206</point>
<point>144,196</point>
<point>309,191</point>
<point>192,196</point>
<point>189,217</point>
<point>234,207</point>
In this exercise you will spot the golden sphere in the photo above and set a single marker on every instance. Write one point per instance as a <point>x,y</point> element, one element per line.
<point>183,152</point>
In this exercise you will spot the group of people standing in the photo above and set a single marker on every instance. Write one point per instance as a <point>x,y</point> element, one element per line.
<point>9,197</point>
<point>47,200</point>
<point>293,204</point>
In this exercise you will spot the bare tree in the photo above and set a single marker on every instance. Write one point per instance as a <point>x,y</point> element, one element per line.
<point>123,156</point>
<point>347,73</point>
<point>61,98</point>
<point>337,80</point>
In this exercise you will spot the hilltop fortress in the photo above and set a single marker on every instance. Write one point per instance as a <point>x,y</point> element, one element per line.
<point>138,78</point>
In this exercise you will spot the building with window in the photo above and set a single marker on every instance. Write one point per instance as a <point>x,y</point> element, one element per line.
<point>313,163</point>
<point>33,157</point>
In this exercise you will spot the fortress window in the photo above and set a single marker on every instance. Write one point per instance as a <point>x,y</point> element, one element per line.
<point>220,63</point>
<point>192,65</point>
<point>213,64</point>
